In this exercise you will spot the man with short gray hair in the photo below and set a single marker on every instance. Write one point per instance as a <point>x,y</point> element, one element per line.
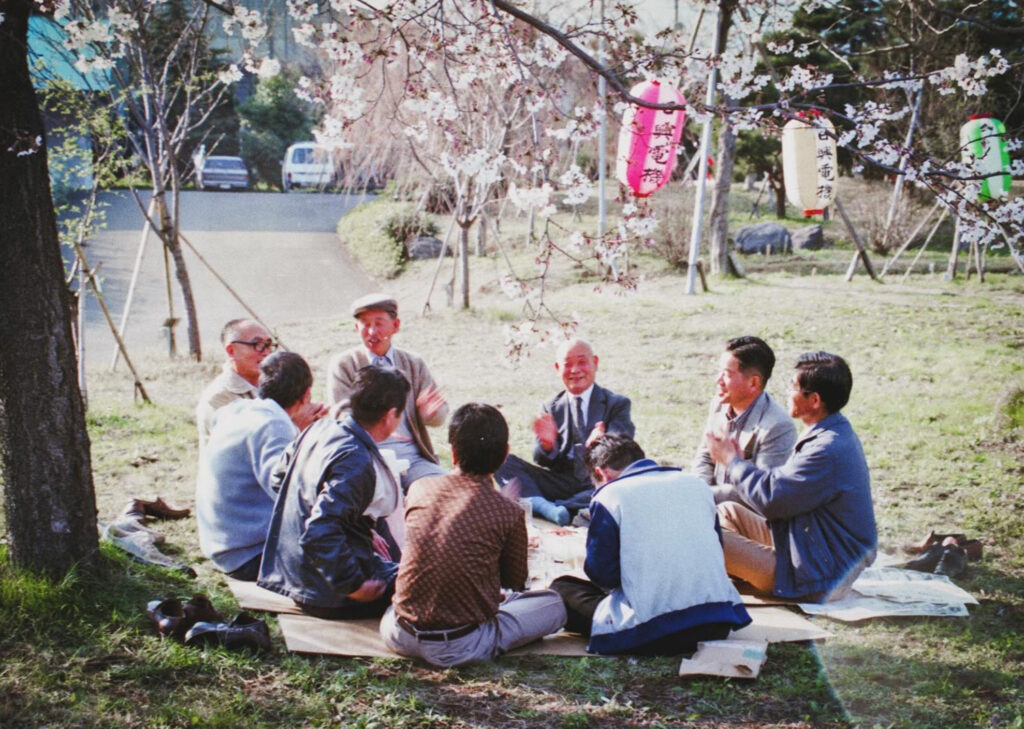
<point>247,343</point>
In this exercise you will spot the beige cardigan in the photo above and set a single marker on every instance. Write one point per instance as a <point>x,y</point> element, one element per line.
<point>341,377</point>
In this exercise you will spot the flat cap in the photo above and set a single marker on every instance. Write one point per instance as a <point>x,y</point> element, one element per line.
<point>375,302</point>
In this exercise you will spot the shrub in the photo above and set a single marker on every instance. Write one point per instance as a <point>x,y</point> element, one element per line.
<point>363,230</point>
<point>404,225</point>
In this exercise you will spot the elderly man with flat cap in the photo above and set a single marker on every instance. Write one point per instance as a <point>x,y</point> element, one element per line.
<point>376,321</point>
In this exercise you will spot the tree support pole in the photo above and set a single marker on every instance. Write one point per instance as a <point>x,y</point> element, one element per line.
<point>861,253</point>
<point>226,285</point>
<point>440,264</point>
<point>927,240</point>
<point>139,388</point>
<point>951,268</point>
<point>702,173</point>
<point>898,187</point>
<point>910,239</point>
<point>146,227</point>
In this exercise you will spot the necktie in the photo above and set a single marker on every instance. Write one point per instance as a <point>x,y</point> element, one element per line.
<point>379,360</point>
<point>581,425</point>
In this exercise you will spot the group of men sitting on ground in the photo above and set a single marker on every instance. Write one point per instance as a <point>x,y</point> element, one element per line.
<point>345,509</point>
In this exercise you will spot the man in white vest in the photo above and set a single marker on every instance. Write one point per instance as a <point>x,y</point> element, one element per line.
<point>657,584</point>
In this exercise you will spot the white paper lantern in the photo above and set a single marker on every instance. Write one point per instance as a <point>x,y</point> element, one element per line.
<point>810,163</point>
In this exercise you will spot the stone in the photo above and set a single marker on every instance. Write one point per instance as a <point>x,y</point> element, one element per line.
<point>425,246</point>
<point>809,238</point>
<point>764,238</point>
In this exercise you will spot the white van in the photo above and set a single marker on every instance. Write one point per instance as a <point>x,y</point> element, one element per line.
<point>306,165</point>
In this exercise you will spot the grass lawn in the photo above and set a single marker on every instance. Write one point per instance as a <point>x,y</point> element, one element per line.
<point>935,366</point>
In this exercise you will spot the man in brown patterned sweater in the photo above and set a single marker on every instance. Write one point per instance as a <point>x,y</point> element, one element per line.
<point>464,543</point>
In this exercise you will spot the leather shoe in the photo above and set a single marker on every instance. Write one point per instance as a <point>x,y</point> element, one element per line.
<point>932,539</point>
<point>928,560</point>
<point>158,508</point>
<point>199,608</point>
<point>168,616</point>
<point>973,548</point>
<point>244,631</point>
<point>173,619</point>
<point>953,562</point>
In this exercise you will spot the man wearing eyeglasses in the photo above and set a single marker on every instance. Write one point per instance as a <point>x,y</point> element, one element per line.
<point>813,530</point>
<point>247,344</point>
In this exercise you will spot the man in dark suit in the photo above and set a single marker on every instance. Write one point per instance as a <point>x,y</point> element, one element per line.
<point>559,484</point>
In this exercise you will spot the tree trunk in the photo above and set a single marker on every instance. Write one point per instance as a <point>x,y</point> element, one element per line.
<point>49,502</point>
<point>168,232</point>
<point>720,205</point>
<point>719,218</point>
<point>780,200</point>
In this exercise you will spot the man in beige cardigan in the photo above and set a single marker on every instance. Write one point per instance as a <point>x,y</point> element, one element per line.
<point>377,322</point>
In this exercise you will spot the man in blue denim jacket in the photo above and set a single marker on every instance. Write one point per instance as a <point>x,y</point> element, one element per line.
<point>816,528</point>
<point>329,547</point>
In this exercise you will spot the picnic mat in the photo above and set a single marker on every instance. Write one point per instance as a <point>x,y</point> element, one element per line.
<point>306,634</point>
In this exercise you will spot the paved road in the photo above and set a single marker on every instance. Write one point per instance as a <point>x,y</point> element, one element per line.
<point>277,251</point>
<point>240,211</point>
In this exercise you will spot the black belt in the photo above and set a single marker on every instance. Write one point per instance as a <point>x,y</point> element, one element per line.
<point>436,635</point>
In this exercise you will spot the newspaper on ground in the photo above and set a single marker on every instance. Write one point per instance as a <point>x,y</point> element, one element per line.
<point>891,591</point>
<point>729,658</point>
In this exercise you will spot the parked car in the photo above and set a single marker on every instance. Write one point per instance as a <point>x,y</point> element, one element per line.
<point>307,165</point>
<point>223,173</point>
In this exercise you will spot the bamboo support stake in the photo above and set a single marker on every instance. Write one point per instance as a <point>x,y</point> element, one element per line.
<point>910,239</point>
<point>226,285</point>
<point>861,252</point>
<point>139,388</point>
<point>924,245</point>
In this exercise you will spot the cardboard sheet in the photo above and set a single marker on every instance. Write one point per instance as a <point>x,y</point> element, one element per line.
<point>305,634</point>
<point>778,625</point>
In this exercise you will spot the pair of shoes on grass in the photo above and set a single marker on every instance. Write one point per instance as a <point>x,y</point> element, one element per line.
<point>197,622</point>
<point>946,558</point>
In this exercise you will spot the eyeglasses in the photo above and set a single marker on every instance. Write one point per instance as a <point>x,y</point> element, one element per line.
<point>260,345</point>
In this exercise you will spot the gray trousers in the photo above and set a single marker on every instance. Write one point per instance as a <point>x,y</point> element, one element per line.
<point>522,618</point>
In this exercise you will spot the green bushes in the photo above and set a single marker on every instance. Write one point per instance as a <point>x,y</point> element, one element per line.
<point>376,232</point>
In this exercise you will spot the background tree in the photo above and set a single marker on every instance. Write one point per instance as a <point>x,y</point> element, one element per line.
<point>272,119</point>
<point>174,91</point>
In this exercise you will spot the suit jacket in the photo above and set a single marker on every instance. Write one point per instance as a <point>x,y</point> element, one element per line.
<point>766,439</point>
<point>341,378</point>
<point>604,406</point>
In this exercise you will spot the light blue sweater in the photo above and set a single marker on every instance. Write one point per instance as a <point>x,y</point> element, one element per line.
<point>234,497</point>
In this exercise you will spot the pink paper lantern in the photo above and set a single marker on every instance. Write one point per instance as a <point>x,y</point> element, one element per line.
<point>648,139</point>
